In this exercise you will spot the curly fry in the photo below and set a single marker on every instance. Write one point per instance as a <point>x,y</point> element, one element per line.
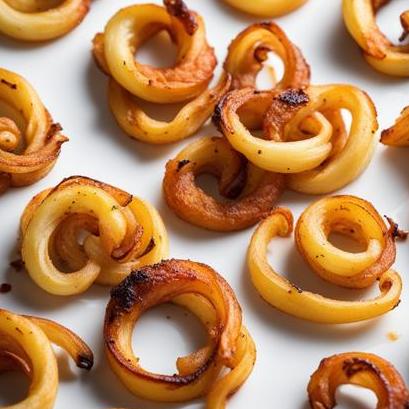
<point>300,138</point>
<point>25,345</point>
<point>187,81</point>
<point>25,123</point>
<point>201,290</point>
<point>398,134</point>
<point>266,8</point>
<point>40,21</point>
<point>379,52</point>
<point>253,192</point>
<point>122,233</point>
<point>249,50</point>
<point>350,216</point>
<point>361,369</point>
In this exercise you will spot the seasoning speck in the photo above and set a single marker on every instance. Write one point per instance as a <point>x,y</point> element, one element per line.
<point>5,288</point>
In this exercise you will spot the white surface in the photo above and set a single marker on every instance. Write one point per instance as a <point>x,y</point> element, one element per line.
<point>289,350</point>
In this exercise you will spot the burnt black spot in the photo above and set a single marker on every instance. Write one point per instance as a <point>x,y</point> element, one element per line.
<point>294,97</point>
<point>182,163</point>
<point>85,362</point>
<point>217,115</point>
<point>125,293</point>
<point>8,83</point>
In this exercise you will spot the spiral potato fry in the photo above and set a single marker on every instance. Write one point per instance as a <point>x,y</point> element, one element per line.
<point>206,294</point>
<point>301,135</point>
<point>122,233</point>
<point>349,216</point>
<point>25,345</point>
<point>253,192</point>
<point>187,81</point>
<point>398,134</point>
<point>249,50</point>
<point>361,369</point>
<point>41,21</point>
<point>379,52</point>
<point>29,140</point>
<point>266,8</point>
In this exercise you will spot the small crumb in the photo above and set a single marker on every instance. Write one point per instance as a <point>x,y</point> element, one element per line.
<point>18,264</point>
<point>392,336</point>
<point>5,288</point>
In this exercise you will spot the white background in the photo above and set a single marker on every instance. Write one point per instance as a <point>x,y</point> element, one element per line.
<point>289,350</point>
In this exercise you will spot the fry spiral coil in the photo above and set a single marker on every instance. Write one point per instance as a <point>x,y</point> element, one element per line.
<point>266,8</point>
<point>25,345</point>
<point>304,134</point>
<point>249,50</point>
<point>122,233</point>
<point>187,81</point>
<point>361,369</point>
<point>202,291</point>
<point>252,192</point>
<point>347,215</point>
<point>379,52</point>
<point>29,140</point>
<point>40,21</point>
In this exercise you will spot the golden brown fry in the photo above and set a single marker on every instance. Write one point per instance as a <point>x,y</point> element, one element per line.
<point>249,50</point>
<point>266,8</point>
<point>29,140</point>
<point>379,52</point>
<point>398,134</point>
<point>361,369</point>
<point>253,192</point>
<point>187,81</point>
<point>302,134</point>
<point>31,20</point>
<point>137,124</point>
<point>122,233</point>
<point>350,216</point>
<point>201,290</point>
<point>25,345</point>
